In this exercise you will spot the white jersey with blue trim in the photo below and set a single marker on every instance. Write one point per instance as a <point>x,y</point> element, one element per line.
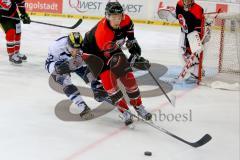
<point>58,51</point>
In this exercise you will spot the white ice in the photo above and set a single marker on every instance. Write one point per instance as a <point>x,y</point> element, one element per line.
<point>30,130</point>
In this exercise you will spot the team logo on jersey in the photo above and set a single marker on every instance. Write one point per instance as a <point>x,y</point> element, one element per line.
<point>5,4</point>
<point>183,23</point>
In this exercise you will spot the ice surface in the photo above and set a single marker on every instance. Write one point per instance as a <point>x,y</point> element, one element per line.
<point>30,130</point>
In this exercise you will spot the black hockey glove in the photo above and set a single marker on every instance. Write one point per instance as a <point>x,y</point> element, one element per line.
<point>25,18</point>
<point>62,67</point>
<point>141,63</point>
<point>133,47</point>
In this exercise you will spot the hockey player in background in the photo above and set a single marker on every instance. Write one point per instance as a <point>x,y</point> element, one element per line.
<point>190,17</point>
<point>64,58</point>
<point>12,27</point>
<point>103,41</point>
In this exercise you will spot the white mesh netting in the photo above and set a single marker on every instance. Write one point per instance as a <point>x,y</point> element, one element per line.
<point>222,53</point>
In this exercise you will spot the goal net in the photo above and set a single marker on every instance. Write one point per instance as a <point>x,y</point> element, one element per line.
<point>221,55</point>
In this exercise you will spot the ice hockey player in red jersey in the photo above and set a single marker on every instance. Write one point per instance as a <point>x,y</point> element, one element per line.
<point>101,41</point>
<point>190,17</point>
<point>12,27</point>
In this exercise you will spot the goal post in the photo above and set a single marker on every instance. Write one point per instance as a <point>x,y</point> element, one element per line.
<point>220,59</point>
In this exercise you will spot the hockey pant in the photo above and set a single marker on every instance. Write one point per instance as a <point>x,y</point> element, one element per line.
<point>70,90</point>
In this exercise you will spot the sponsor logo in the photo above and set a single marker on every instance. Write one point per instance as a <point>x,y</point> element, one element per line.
<point>85,6</point>
<point>54,6</point>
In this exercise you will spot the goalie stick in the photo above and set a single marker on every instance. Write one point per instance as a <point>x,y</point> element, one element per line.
<point>49,24</point>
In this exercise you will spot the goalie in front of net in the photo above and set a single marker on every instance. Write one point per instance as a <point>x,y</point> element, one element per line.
<point>64,58</point>
<point>191,17</point>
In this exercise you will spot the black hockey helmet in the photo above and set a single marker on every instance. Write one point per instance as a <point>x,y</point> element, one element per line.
<point>75,40</point>
<point>113,8</point>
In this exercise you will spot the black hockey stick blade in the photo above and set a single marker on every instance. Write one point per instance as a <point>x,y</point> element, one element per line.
<point>205,139</point>
<point>77,24</point>
<point>55,25</point>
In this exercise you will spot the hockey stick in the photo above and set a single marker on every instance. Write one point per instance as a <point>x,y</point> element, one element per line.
<point>205,139</point>
<point>171,101</point>
<point>49,24</point>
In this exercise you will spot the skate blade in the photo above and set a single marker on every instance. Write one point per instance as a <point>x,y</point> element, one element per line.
<point>15,64</point>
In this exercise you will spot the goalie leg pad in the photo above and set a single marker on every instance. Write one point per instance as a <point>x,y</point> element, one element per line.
<point>182,43</point>
<point>195,42</point>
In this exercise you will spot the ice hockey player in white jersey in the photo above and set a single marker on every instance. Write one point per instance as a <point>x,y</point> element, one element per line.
<point>64,57</point>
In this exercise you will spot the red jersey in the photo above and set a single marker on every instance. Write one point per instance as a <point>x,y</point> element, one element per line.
<point>190,20</point>
<point>97,39</point>
<point>9,7</point>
